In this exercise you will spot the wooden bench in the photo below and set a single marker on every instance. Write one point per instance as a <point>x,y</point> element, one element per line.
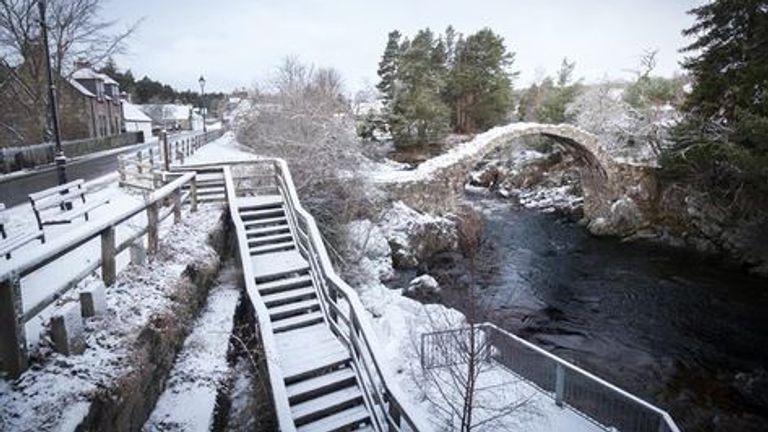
<point>9,242</point>
<point>55,205</point>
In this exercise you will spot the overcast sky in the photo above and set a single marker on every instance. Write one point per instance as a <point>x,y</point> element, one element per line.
<point>236,43</point>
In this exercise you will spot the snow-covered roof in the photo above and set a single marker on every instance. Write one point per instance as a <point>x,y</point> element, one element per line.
<point>79,87</point>
<point>90,74</point>
<point>133,113</point>
<point>165,112</point>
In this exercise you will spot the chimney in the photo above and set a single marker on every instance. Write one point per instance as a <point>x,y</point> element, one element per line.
<point>82,63</point>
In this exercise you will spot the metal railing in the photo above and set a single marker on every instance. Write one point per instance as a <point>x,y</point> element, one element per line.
<point>340,304</point>
<point>570,386</point>
<point>13,316</point>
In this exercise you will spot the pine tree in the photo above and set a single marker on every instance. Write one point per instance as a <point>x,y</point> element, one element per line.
<point>480,83</point>
<point>388,66</point>
<point>730,65</point>
<point>418,114</point>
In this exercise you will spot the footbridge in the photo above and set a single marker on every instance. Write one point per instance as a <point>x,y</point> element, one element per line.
<point>323,360</point>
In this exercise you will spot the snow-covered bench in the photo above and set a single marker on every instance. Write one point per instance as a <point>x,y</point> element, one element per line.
<point>9,242</point>
<point>53,206</point>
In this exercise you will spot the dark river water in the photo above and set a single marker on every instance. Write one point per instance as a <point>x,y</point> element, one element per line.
<point>685,332</point>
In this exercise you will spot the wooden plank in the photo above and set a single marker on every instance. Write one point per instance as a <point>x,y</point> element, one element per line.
<point>56,189</point>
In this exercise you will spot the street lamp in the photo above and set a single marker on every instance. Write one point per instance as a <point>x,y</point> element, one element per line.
<point>202,100</point>
<point>60,159</point>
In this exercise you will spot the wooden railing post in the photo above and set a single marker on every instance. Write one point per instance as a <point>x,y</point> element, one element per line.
<point>13,340</point>
<point>177,206</point>
<point>166,150</point>
<point>193,194</point>
<point>152,228</point>
<point>139,158</point>
<point>108,262</point>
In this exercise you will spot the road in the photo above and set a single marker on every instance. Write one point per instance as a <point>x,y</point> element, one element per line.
<point>14,190</point>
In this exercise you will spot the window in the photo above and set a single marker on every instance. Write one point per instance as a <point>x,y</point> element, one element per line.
<point>100,89</point>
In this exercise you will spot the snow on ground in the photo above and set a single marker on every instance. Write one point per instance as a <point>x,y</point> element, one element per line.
<point>54,394</point>
<point>201,367</point>
<point>399,321</point>
<point>224,149</point>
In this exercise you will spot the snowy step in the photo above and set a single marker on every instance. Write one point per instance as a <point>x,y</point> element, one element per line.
<point>290,296</point>
<point>276,247</point>
<point>344,420</point>
<point>211,191</point>
<point>297,322</point>
<point>265,222</point>
<point>259,232</point>
<point>291,309</point>
<point>323,406</point>
<point>259,201</point>
<point>263,240</point>
<point>281,285</point>
<point>262,214</point>
<point>323,384</point>
<point>327,352</point>
<point>212,198</point>
<point>278,265</point>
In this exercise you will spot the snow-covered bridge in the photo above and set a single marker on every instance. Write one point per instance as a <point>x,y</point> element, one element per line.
<point>604,178</point>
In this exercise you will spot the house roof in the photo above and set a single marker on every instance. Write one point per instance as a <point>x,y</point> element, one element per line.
<point>79,87</point>
<point>133,113</point>
<point>90,74</point>
<point>166,112</point>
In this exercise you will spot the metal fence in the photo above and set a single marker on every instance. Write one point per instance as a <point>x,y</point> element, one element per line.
<point>570,386</point>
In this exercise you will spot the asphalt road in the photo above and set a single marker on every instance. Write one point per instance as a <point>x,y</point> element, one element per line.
<point>14,190</point>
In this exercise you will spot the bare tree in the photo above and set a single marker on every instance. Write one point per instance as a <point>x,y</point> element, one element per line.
<point>76,33</point>
<point>460,355</point>
<point>304,118</point>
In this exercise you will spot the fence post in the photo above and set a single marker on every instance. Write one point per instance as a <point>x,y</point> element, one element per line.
<point>559,384</point>
<point>193,194</point>
<point>177,206</point>
<point>140,159</point>
<point>166,150</point>
<point>108,264</point>
<point>423,352</point>
<point>152,228</point>
<point>13,340</point>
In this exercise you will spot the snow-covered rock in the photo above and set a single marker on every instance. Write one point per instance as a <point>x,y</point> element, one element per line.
<point>424,287</point>
<point>368,247</point>
<point>414,236</point>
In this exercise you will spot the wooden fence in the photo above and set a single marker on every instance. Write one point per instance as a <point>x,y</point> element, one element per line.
<point>13,317</point>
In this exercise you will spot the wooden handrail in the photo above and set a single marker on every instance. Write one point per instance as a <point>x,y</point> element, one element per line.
<point>12,318</point>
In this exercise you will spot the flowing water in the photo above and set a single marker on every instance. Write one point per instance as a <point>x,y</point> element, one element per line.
<point>685,332</point>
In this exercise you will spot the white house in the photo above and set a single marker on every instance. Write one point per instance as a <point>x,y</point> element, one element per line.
<point>135,120</point>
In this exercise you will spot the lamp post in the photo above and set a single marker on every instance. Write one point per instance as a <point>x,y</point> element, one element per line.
<point>60,159</point>
<point>202,100</point>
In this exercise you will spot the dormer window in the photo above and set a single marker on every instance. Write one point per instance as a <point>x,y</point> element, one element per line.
<point>99,89</point>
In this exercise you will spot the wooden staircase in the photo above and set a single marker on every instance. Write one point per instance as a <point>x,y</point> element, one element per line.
<point>322,386</point>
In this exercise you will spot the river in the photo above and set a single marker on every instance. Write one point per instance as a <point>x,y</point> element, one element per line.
<point>683,331</point>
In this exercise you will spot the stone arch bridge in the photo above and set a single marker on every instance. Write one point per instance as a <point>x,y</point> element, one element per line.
<point>613,189</point>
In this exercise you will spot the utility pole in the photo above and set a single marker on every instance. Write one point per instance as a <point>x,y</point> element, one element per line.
<point>60,159</point>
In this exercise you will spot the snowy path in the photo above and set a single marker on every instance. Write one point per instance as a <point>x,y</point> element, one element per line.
<point>201,368</point>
